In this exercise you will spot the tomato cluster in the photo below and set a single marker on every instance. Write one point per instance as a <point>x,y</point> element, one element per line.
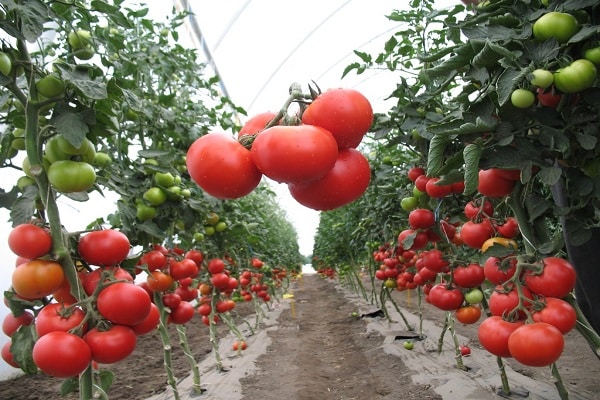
<point>315,155</point>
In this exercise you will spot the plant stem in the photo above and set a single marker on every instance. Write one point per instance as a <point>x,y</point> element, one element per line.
<point>183,342</point>
<point>164,336</point>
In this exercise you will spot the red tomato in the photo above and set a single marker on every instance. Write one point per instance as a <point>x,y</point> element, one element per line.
<point>216,266</point>
<point>446,228</point>
<point>475,209</point>
<point>239,345</point>
<point>499,271</point>
<point>346,113</point>
<point>444,298</point>
<point>182,314</point>
<point>415,172</point>
<point>75,355</point>
<point>346,182</point>
<point>185,268</point>
<point>503,302</point>
<point>491,184</point>
<point>204,309</point>
<point>557,312</point>
<point>111,345</point>
<point>10,323</point>
<point>434,260</point>
<point>124,303</point>
<point>106,247</point>
<point>557,278</point>
<point>187,293</point>
<point>421,183</point>
<point>37,278</point>
<point>493,335</point>
<point>196,255</point>
<point>8,356</point>
<point>222,167</point>
<point>468,314</point>
<point>536,345</point>
<point>468,276</point>
<point>257,123</point>
<point>171,300</point>
<point>90,279</point>
<point>220,281</point>
<point>57,317</point>
<point>421,218</point>
<point>473,233</point>
<point>29,241</point>
<point>154,259</point>
<point>149,323</point>
<point>419,239</point>
<point>437,191</point>
<point>295,154</point>
<point>509,229</point>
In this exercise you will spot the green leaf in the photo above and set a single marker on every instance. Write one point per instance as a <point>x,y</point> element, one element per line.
<point>8,198</point>
<point>435,157</point>
<point>23,207</point>
<point>507,82</point>
<point>95,90</point>
<point>490,54</point>
<point>549,175</point>
<point>69,385</point>
<point>462,59</point>
<point>587,31</point>
<point>21,347</point>
<point>32,17</point>
<point>106,379</point>
<point>588,142</point>
<point>471,154</point>
<point>72,126</point>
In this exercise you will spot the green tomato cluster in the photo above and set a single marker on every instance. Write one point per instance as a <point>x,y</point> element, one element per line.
<point>165,187</point>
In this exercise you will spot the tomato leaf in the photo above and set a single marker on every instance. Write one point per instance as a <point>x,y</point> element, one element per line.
<point>490,54</point>
<point>106,379</point>
<point>22,347</point>
<point>32,16</point>
<point>23,207</point>
<point>471,154</point>
<point>549,175</point>
<point>506,84</point>
<point>72,126</point>
<point>586,141</point>
<point>435,157</point>
<point>69,385</point>
<point>8,198</point>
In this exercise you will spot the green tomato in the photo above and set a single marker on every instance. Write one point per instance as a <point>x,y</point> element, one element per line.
<point>5,64</point>
<point>155,196</point>
<point>69,176</point>
<point>220,226</point>
<point>68,148</point>
<point>24,181</point>
<point>145,212</point>
<point>102,159</point>
<point>592,54</point>
<point>409,345</point>
<point>198,236</point>
<point>212,218</point>
<point>186,193</point>
<point>522,98</point>
<point>174,193</point>
<point>417,193</point>
<point>542,78</point>
<point>85,53</point>
<point>52,151</point>
<point>474,296</point>
<point>164,179</point>
<point>561,26</point>
<point>576,77</point>
<point>50,86</point>
<point>79,39</point>
<point>209,230</point>
<point>409,203</point>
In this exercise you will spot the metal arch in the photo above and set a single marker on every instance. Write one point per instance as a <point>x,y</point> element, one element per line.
<point>234,18</point>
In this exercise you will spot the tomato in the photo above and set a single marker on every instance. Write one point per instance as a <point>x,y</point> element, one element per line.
<point>346,113</point>
<point>446,228</point>
<point>145,212</point>
<point>503,302</point>
<point>421,218</point>
<point>474,296</point>
<point>493,335</point>
<point>415,172</point>
<point>419,239</point>
<point>164,179</point>
<point>7,355</point>
<point>69,176</point>
<point>493,185</point>
<point>434,260</point>
<point>468,314</point>
<point>475,209</point>
<point>421,184</point>
<point>29,241</point>
<point>220,280</point>
<point>257,123</point>
<point>445,298</point>
<point>171,300</point>
<point>474,234</point>
<point>409,203</point>
<point>195,255</point>
<point>204,309</point>
<point>183,269</point>
<point>37,278</point>
<point>57,317</point>
<point>468,276</point>
<point>5,64</point>
<point>216,266</point>
<point>222,167</point>
<point>155,196</point>
<point>465,350</point>
<point>500,241</point>
<point>522,98</point>
<point>159,281</point>
<point>90,279</point>
<point>542,78</point>
<point>557,278</point>
<point>111,345</point>
<point>561,26</point>
<point>63,294</point>
<point>79,39</point>
<point>10,323</point>
<point>437,191</point>
<point>149,323</point>
<point>50,86</point>
<point>153,260</point>
<point>124,303</point>
<point>182,314</point>
<point>239,345</point>
<point>75,355</point>
<point>536,345</point>
<point>104,247</point>
<point>509,229</point>
<point>498,271</point>
<point>187,293</point>
<point>344,183</point>
<point>576,77</point>
<point>592,54</point>
<point>557,312</point>
<point>295,154</point>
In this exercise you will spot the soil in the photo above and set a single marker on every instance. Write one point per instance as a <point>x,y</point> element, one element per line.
<point>323,341</point>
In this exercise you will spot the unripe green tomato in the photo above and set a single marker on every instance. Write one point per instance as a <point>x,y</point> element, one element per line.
<point>50,86</point>
<point>198,237</point>
<point>474,296</point>
<point>155,196</point>
<point>209,230</point>
<point>24,181</point>
<point>522,98</point>
<point>69,176</point>
<point>212,218</point>
<point>592,54</point>
<point>164,179</point>
<point>18,143</point>
<point>145,212</point>
<point>66,147</point>
<point>409,203</point>
<point>186,193</point>
<point>409,345</point>
<point>576,77</point>
<point>53,152</point>
<point>5,64</point>
<point>417,193</point>
<point>220,226</point>
<point>84,53</point>
<point>561,26</point>
<point>79,39</point>
<point>542,78</point>
<point>102,159</point>
<point>89,155</point>
<point>180,225</point>
<point>174,193</point>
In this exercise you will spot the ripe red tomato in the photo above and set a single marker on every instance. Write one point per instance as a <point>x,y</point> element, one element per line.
<point>220,281</point>
<point>257,123</point>
<point>344,183</point>
<point>445,298</point>
<point>498,271</point>
<point>216,266</point>
<point>475,209</point>
<point>7,355</point>
<point>185,268</point>
<point>90,279</point>
<point>204,309</point>
<point>222,167</point>
<point>557,312</point>
<point>239,345</point>
<point>154,259</point>
<point>187,293</point>
<point>420,239</point>
<point>503,302</point>
<point>415,172</point>
<point>182,314</point>
<point>536,345</point>
<point>37,278</point>
<point>111,345</point>
<point>106,247</point>
<point>509,229</point>
<point>29,241</point>
<point>57,317</point>
<point>346,113</point>
<point>295,154</point>
<point>493,335</point>
<point>10,323</point>
<point>468,314</point>
<point>75,355</point>
<point>196,255</point>
<point>124,303</point>
<point>421,183</point>
<point>171,300</point>
<point>468,276</point>
<point>421,218</point>
<point>434,260</point>
<point>437,191</point>
<point>557,278</point>
<point>149,323</point>
<point>474,233</point>
<point>491,184</point>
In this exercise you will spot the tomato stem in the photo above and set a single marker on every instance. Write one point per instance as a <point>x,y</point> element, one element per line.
<point>164,336</point>
<point>183,342</point>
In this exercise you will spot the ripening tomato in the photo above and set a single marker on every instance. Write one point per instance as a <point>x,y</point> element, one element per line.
<point>124,303</point>
<point>557,278</point>
<point>111,345</point>
<point>536,345</point>
<point>29,241</point>
<point>474,233</point>
<point>105,247</point>
<point>557,312</point>
<point>346,113</point>
<point>295,154</point>
<point>257,123</point>
<point>159,281</point>
<point>75,355</point>
<point>494,333</point>
<point>239,345</point>
<point>8,356</point>
<point>37,278</point>
<point>57,317</point>
<point>498,241</point>
<point>344,183</point>
<point>468,314</point>
<point>222,167</point>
